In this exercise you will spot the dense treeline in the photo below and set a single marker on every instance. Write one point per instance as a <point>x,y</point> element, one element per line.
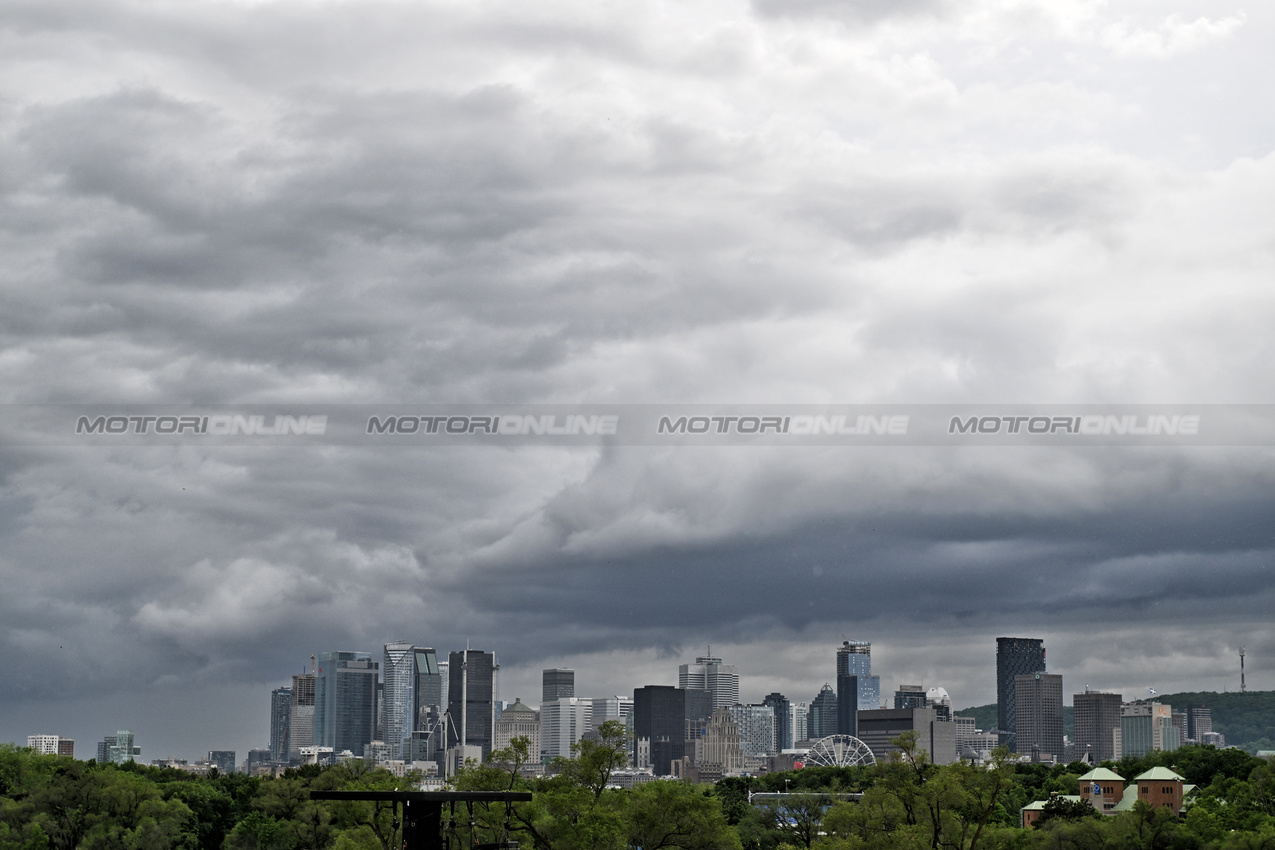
<point>53,803</point>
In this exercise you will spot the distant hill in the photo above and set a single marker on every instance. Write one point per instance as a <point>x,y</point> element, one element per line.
<point>1247,720</point>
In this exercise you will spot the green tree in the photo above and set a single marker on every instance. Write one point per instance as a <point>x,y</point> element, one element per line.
<point>665,814</point>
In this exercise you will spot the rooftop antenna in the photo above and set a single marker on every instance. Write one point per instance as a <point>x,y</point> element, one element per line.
<point>1242,687</point>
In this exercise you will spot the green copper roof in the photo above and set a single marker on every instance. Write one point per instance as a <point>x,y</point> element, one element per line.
<point>1101,774</point>
<point>1157,774</point>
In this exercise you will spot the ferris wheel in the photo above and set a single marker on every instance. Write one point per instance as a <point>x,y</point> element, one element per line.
<point>839,751</point>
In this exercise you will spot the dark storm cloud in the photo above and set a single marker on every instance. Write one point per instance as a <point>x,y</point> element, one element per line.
<point>337,204</point>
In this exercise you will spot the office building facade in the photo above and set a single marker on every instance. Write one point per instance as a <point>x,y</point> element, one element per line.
<point>879,727</point>
<point>556,683</point>
<point>1096,717</point>
<point>398,697</point>
<point>345,716</point>
<point>854,658</point>
<point>665,717</point>
<point>280,724</point>
<point>1014,657</point>
<point>782,709</point>
<point>821,719</point>
<point>471,698</point>
<point>301,720</point>
<point>709,673</point>
<point>1038,716</point>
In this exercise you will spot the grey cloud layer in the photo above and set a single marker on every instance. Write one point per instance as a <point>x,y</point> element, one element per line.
<point>605,202</point>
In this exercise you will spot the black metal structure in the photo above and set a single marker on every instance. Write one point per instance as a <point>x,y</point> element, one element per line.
<point>422,819</point>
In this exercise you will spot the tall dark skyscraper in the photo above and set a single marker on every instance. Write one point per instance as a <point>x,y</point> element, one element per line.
<point>1014,657</point>
<point>557,683</point>
<point>783,719</point>
<point>345,701</point>
<point>847,704</point>
<point>821,717</point>
<point>280,724</point>
<point>854,658</point>
<point>471,698</point>
<point>666,716</point>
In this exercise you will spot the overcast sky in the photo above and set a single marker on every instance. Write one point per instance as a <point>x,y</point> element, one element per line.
<point>603,202</point>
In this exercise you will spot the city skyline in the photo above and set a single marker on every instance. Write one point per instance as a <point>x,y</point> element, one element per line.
<point>1024,212</point>
<point>192,750</point>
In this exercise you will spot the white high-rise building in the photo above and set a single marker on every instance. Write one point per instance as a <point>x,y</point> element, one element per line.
<point>800,713</point>
<point>611,708</point>
<point>708,673</point>
<point>563,722</point>
<point>398,697</point>
<point>46,745</point>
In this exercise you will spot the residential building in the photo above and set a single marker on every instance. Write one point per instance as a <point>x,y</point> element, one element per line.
<point>301,717</point>
<point>345,701</point>
<point>1038,716</point>
<point>280,722</point>
<point>223,760</point>
<point>910,696</point>
<point>799,716</point>
<point>1014,657</point>
<point>121,748</point>
<point>104,749</point>
<point>755,725</point>
<point>1096,716</point>
<point>556,683</point>
<point>45,745</point>
<point>708,673</point>
<point>1199,722</point>
<point>66,747</point>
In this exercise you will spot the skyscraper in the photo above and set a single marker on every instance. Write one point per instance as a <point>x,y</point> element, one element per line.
<point>708,673</point>
<point>1014,657</point>
<point>563,722</point>
<point>557,683</point>
<point>430,703</point>
<point>471,698</point>
<point>301,721</point>
<point>783,719</point>
<point>822,716</point>
<point>398,697</point>
<point>345,701</point>
<point>854,658</point>
<point>280,724</point>
<point>1096,716</point>
<point>847,704</point>
<point>1038,716</point>
<point>665,717</point>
